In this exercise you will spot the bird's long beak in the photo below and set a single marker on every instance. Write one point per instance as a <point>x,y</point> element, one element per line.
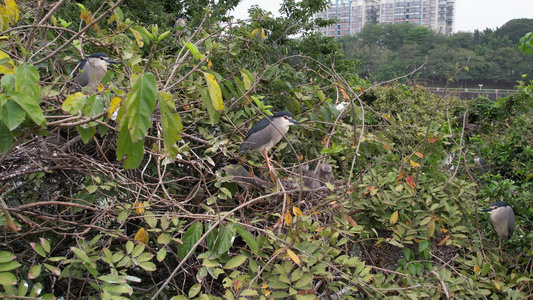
<point>110,61</point>
<point>486,209</point>
<point>293,121</point>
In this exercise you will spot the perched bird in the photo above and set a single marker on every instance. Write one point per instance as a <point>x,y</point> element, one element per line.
<point>179,27</point>
<point>310,178</point>
<point>502,217</point>
<point>245,177</point>
<point>325,172</point>
<point>266,133</point>
<point>90,71</point>
<point>480,164</point>
<point>316,179</point>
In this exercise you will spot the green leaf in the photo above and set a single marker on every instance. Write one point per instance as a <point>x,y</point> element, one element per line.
<point>27,82</point>
<point>6,138</point>
<point>206,100</point>
<point>148,266</point>
<point>214,92</point>
<point>161,254</point>
<point>6,256</point>
<point>74,103</point>
<point>303,282</point>
<point>137,250</point>
<point>163,238</point>
<point>190,238</point>
<point>86,133</point>
<point>235,262</point>
<point>110,278</point>
<point>170,123</point>
<point>194,51</point>
<point>81,255</point>
<point>248,293</point>
<point>248,238</point>
<point>194,290</point>
<point>225,238</point>
<point>8,266</point>
<point>134,151</point>
<point>140,106</point>
<point>32,108</point>
<point>38,248</point>
<point>8,83</point>
<point>12,115</point>
<point>34,271</point>
<point>119,289</point>
<point>7,279</point>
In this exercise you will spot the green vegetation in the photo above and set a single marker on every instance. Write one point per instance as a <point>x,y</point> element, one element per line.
<point>387,51</point>
<point>113,194</point>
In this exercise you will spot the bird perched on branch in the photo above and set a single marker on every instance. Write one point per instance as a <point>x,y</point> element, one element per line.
<point>266,133</point>
<point>316,179</point>
<point>90,71</point>
<point>502,218</point>
<point>245,177</point>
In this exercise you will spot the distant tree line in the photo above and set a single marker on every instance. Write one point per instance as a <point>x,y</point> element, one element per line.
<point>386,51</point>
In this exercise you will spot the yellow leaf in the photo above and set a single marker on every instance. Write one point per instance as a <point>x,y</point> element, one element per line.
<point>115,104</point>
<point>477,268</point>
<point>138,37</point>
<point>267,293</point>
<point>139,208</point>
<point>497,285</point>
<point>11,11</point>
<point>288,218</point>
<point>293,256</point>
<point>414,164</point>
<point>296,211</point>
<point>142,236</point>
<point>264,285</point>
<point>255,31</point>
<point>262,35</point>
<point>209,64</point>
<point>8,67</point>
<point>214,92</point>
<point>394,217</point>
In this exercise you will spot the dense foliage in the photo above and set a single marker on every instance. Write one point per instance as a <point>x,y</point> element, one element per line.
<point>114,194</point>
<point>387,51</point>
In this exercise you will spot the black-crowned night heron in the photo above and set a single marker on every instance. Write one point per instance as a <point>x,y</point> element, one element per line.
<point>314,180</point>
<point>502,217</point>
<point>92,70</point>
<point>310,178</point>
<point>266,133</point>
<point>179,27</point>
<point>245,177</point>
<point>481,166</point>
<point>325,172</point>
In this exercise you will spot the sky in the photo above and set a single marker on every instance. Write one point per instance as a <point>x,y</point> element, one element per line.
<point>470,14</point>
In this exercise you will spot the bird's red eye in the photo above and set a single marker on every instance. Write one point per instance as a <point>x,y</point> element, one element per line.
<point>101,58</point>
<point>285,117</point>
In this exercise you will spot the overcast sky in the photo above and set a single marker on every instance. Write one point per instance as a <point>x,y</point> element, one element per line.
<point>470,14</point>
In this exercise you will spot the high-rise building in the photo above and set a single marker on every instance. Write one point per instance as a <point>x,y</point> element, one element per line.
<point>352,15</point>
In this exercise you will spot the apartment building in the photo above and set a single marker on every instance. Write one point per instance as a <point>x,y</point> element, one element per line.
<point>352,15</point>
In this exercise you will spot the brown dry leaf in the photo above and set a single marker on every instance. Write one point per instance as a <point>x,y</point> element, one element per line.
<point>432,139</point>
<point>410,181</point>
<point>351,221</point>
<point>444,240</point>
<point>386,147</point>
<point>419,154</point>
